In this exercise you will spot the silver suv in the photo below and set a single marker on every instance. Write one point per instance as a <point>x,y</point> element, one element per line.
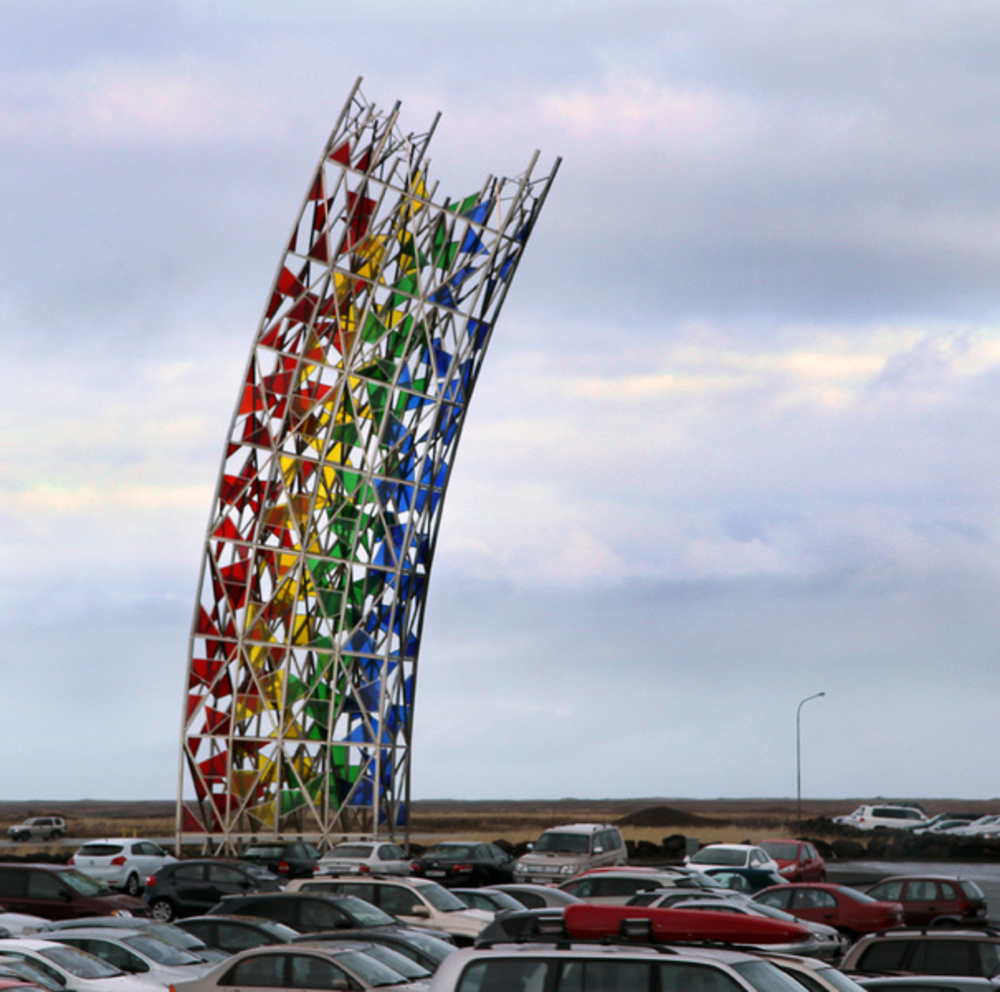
<point>539,967</point>
<point>38,828</point>
<point>974,953</point>
<point>564,851</point>
<point>885,815</point>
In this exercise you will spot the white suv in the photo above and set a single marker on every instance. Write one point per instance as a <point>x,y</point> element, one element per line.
<point>884,815</point>
<point>415,901</point>
<point>564,851</point>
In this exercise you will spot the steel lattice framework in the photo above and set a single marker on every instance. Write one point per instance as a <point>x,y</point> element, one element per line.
<point>303,661</point>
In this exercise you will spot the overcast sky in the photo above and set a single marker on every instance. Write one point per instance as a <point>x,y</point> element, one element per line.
<point>735,442</point>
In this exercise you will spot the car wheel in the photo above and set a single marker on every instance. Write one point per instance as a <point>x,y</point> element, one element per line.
<point>132,885</point>
<point>162,910</point>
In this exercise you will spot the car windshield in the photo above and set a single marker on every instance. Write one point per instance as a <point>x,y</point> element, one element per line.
<point>554,842</point>
<point>406,967</point>
<point>765,977</point>
<point>440,898</point>
<point>839,980</point>
<point>774,912</point>
<point>433,947</point>
<point>84,884</point>
<point>176,936</point>
<point>720,856</point>
<point>160,951</point>
<point>353,851</point>
<point>364,912</point>
<point>19,968</point>
<point>784,852</point>
<point>369,970</point>
<point>452,852</point>
<point>79,963</point>
<point>854,894</point>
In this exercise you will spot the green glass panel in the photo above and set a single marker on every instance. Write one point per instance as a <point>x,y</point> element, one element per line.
<point>291,799</point>
<point>467,204</point>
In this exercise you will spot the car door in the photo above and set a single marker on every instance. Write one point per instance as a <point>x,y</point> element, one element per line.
<point>391,859</point>
<point>191,888</point>
<point>115,955</point>
<point>920,901</point>
<point>816,905</point>
<point>46,896</point>
<point>403,903</point>
<point>307,971</point>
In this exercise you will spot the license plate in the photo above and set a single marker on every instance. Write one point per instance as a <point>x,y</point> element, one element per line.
<point>435,873</point>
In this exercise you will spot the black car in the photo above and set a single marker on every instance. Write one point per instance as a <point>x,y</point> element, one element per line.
<point>307,912</point>
<point>465,863</point>
<point>189,888</point>
<point>237,933</point>
<point>287,859</point>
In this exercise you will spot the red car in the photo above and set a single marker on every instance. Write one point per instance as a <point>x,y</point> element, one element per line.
<point>798,860</point>
<point>933,899</point>
<point>850,911</point>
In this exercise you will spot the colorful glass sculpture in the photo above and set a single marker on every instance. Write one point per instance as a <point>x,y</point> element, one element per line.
<point>303,663</point>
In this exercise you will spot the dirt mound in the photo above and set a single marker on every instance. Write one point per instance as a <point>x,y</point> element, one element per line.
<point>662,816</point>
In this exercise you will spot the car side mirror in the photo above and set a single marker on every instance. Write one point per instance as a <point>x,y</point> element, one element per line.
<point>420,911</point>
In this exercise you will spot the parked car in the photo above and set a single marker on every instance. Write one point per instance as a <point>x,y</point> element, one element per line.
<point>289,859</point>
<point>569,850</point>
<point>797,860</point>
<point>926,983</point>
<point>892,817</point>
<point>985,826</point>
<point>465,863</point>
<point>537,896</point>
<point>73,969</point>
<point>17,970</point>
<point>488,899</point>
<point>732,856</point>
<point>59,892</point>
<point>136,953</point>
<point>944,822</point>
<point>560,966</point>
<point>420,945</point>
<point>310,912</point>
<point>38,828</point>
<point>236,933</point>
<point>364,858</point>
<point>20,924</point>
<point>813,974</point>
<point>169,932</point>
<point>415,901</point>
<point>850,911</point>
<point>824,941</point>
<point>933,900</point>
<point>618,887</point>
<point>189,888</point>
<point>970,953</point>
<point>296,967</point>
<point>121,862</point>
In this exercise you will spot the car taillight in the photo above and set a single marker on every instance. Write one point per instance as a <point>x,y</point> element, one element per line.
<point>415,867</point>
<point>282,867</point>
<point>150,882</point>
<point>462,868</point>
<point>72,860</point>
<point>364,869</point>
<point>119,861</point>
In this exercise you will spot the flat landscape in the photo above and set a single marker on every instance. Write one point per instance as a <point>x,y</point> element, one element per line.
<point>645,819</point>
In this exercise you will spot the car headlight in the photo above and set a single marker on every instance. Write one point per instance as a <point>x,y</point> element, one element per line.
<point>569,869</point>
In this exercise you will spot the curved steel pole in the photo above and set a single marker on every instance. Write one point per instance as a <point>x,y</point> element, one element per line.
<point>798,754</point>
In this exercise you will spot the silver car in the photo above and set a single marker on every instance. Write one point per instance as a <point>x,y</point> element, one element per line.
<point>364,858</point>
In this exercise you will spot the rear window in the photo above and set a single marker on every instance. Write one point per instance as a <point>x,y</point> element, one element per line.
<point>883,956</point>
<point>972,890</point>
<point>350,851</point>
<point>100,850</point>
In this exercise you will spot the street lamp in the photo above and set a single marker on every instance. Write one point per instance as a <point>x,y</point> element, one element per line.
<point>798,753</point>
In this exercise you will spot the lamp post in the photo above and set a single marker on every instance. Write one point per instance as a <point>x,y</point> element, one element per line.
<point>798,753</point>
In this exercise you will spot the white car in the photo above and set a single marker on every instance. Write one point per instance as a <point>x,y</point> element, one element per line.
<point>364,858</point>
<point>732,856</point>
<point>136,953</point>
<point>123,863</point>
<point>888,815</point>
<point>20,924</point>
<point>73,969</point>
<point>985,826</point>
<point>413,901</point>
